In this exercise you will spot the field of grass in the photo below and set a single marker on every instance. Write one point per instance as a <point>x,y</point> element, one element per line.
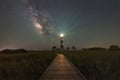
<point>97,65</point>
<point>24,66</point>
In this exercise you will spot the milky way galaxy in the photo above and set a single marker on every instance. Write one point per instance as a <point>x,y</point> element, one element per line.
<point>40,18</point>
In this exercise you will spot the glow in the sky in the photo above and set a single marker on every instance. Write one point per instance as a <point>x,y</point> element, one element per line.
<point>42,20</point>
<point>38,26</point>
<point>61,35</point>
<point>34,15</point>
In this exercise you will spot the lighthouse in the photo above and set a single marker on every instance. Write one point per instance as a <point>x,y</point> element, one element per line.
<point>61,42</point>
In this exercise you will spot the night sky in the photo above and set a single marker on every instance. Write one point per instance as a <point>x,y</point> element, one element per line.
<point>36,24</point>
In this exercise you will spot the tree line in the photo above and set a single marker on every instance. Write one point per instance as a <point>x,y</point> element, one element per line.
<point>73,48</point>
<point>14,51</point>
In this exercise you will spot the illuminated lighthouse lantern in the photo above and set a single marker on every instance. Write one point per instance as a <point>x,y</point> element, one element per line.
<point>61,42</point>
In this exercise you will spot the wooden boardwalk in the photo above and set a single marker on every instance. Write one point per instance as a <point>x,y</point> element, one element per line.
<point>61,69</point>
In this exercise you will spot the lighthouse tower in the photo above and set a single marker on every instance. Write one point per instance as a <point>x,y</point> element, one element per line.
<point>61,42</point>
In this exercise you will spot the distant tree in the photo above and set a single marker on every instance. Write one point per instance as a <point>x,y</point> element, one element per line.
<point>54,48</point>
<point>84,49</point>
<point>114,47</point>
<point>68,48</point>
<point>73,48</point>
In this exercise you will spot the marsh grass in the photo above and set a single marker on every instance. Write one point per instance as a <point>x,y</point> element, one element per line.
<point>24,66</point>
<point>97,65</point>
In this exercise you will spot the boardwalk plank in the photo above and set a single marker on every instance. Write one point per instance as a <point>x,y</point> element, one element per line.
<point>61,69</point>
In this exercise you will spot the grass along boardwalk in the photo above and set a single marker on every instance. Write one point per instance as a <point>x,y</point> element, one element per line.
<point>61,69</point>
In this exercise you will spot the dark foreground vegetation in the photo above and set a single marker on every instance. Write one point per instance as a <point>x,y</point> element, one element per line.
<point>24,66</point>
<point>97,65</point>
<point>93,63</point>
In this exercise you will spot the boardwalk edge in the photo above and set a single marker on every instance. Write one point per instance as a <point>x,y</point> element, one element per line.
<point>79,73</point>
<point>43,75</point>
